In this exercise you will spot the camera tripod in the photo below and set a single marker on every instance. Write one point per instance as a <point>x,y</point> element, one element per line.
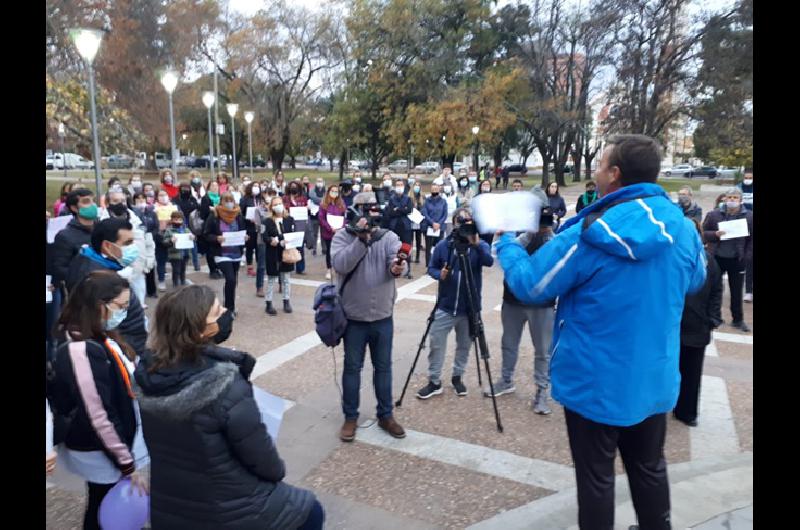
<point>476,333</point>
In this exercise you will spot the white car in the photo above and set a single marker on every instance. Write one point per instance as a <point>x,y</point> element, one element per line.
<point>680,169</point>
<point>82,163</point>
<point>429,167</point>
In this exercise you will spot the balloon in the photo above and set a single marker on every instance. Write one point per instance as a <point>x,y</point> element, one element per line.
<point>123,508</point>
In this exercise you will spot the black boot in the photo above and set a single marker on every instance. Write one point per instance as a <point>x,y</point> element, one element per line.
<point>287,308</point>
<point>271,310</point>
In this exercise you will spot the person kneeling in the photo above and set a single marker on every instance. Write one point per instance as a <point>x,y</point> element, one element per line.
<point>452,308</point>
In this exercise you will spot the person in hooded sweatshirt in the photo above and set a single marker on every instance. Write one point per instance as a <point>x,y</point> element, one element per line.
<point>434,213</point>
<point>621,270</point>
<point>214,464</point>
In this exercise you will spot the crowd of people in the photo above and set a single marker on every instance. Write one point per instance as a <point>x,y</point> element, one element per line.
<point>124,393</point>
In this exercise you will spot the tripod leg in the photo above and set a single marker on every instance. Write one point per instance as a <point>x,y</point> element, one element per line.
<point>478,363</point>
<point>399,402</point>
<point>494,399</point>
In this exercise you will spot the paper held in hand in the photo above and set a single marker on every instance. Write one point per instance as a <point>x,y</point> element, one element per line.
<point>294,239</point>
<point>432,233</point>
<point>56,225</point>
<point>299,213</point>
<point>48,297</point>
<point>250,214</point>
<point>415,216</point>
<point>336,221</point>
<point>313,208</point>
<point>510,212</point>
<point>184,241</point>
<point>233,239</point>
<point>271,409</point>
<point>734,229</point>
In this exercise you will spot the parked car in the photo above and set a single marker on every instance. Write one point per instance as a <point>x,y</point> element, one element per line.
<point>49,163</point>
<point>82,163</point>
<point>162,161</point>
<point>398,166</point>
<point>360,165</point>
<point>516,168</point>
<point>120,162</point>
<point>428,167</point>
<point>317,162</point>
<point>703,171</point>
<point>680,169</point>
<point>458,166</point>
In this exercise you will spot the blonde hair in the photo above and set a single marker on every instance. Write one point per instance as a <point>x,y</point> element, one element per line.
<point>270,213</point>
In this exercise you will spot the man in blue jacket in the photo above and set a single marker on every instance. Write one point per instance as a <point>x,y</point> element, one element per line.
<point>452,306</point>
<point>621,270</point>
<point>435,213</point>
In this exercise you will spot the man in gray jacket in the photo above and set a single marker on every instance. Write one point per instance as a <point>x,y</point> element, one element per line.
<point>369,254</point>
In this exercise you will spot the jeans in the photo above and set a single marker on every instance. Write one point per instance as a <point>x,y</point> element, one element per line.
<point>161,262</point>
<point>378,335</point>
<point>230,269</point>
<point>442,324</point>
<point>540,326</point>
<point>594,448</point>
<point>691,367</point>
<point>312,233</point>
<point>195,259</point>
<point>178,271</point>
<point>326,248</point>
<point>735,269</point>
<point>418,242</point>
<point>285,278</point>
<point>250,248</point>
<point>261,265</point>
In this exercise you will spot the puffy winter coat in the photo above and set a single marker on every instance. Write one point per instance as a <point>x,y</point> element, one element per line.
<point>396,213</point>
<point>621,282</point>
<point>213,463</point>
<point>744,245</point>
<point>67,244</point>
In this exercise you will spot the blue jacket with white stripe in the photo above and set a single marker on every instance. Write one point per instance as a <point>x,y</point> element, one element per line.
<point>621,285</point>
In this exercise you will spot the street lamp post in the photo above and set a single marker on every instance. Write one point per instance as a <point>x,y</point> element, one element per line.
<point>208,101</point>
<point>170,80</point>
<point>233,108</point>
<point>88,43</point>
<point>475,131</point>
<point>248,117</point>
<point>61,134</point>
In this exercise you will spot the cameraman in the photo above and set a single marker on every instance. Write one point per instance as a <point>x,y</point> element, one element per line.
<point>452,308</point>
<point>370,255</point>
<point>540,318</point>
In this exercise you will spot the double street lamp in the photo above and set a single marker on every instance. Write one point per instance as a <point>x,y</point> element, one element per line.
<point>475,131</point>
<point>170,80</point>
<point>233,108</point>
<point>208,100</point>
<point>88,43</point>
<point>62,132</point>
<point>248,117</point>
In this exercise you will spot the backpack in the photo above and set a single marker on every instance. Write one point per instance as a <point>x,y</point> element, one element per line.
<point>196,223</point>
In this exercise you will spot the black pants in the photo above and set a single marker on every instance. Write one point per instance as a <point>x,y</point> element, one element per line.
<point>735,269</point>
<point>250,248</point>
<point>748,276</point>
<point>150,281</point>
<point>212,264</point>
<point>178,271</point>
<point>230,269</point>
<point>497,182</point>
<point>430,242</point>
<point>96,494</point>
<point>326,248</point>
<point>691,366</point>
<point>594,447</point>
<point>418,242</point>
<point>505,182</point>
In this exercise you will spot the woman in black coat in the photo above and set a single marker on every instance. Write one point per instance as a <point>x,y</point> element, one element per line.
<point>557,204</point>
<point>700,317</point>
<point>251,198</point>
<point>214,463</point>
<point>225,217</point>
<point>278,223</point>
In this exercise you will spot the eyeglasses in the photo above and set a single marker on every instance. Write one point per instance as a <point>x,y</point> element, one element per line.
<point>118,306</point>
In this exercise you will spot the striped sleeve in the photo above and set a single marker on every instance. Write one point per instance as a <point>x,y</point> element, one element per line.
<point>96,412</point>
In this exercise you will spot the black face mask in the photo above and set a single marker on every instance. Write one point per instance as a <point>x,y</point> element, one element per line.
<point>225,323</point>
<point>185,194</point>
<point>118,210</point>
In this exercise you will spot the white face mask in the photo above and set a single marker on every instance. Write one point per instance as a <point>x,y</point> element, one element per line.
<point>163,200</point>
<point>747,182</point>
<point>278,209</point>
<point>399,190</point>
<point>387,184</point>
<point>356,188</point>
<point>256,190</point>
<point>448,189</point>
<point>334,194</point>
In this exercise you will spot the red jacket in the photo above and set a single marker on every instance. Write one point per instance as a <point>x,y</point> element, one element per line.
<point>171,190</point>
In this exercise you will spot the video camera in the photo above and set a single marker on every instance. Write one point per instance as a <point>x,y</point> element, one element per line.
<point>357,212</point>
<point>463,234</point>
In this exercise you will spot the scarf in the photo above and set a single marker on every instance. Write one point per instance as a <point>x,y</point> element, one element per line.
<point>214,198</point>
<point>229,216</point>
<point>586,201</point>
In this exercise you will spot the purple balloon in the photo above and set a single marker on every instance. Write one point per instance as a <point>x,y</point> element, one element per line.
<point>123,508</point>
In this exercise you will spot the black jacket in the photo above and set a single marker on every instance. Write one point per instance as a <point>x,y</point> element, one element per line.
<point>244,204</point>
<point>149,220</point>
<point>186,206</point>
<point>212,230</point>
<point>558,206</point>
<point>66,246</point>
<point>90,429</point>
<point>701,310</point>
<point>744,245</point>
<point>205,207</point>
<point>585,200</point>
<point>132,328</point>
<point>396,214</point>
<point>274,255</point>
<point>213,463</point>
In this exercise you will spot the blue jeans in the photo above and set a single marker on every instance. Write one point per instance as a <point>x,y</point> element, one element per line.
<point>161,262</point>
<point>378,335</point>
<point>195,259</point>
<point>261,265</point>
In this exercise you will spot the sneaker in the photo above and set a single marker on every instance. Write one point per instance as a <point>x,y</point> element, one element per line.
<point>251,272</point>
<point>741,326</point>
<point>540,405</point>
<point>301,273</point>
<point>458,386</point>
<point>500,388</point>
<point>216,275</point>
<point>188,282</point>
<point>162,287</point>
<point>429,390</point>
<point>348,431</point>
<point>390,425</point>
<point>328,275</point>
<point>748,297</point>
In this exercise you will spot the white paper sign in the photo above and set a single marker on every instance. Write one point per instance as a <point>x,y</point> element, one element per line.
<point>510,212</point>
<point>734,229</point>
<point>184,241</point>
<point>313,208</point>
<point>432,233</point>
<point>271,409</point>
<point>294,239</point>
<point>56,225</point>
<point>336,221</point>
<point>233,239</point>
<point>250,214</point>
<point>416,217</point>
<point>236,196</point>
<point>299,213</point>
<point>48,297</point>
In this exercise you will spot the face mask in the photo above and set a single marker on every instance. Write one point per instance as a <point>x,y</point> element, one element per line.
<point>411,181</point>
<point>732,205</point>
<point>118,210</point>
<point>486,190</point>
<point>225,326</point>
<point>230,205</point>
<point>448,189</point>
<point>747,182</point>
<point>293,191</point>
<point>168,180</point>
<point>683,200</point>
<point>358,179</point>
<point>356,188</point>
<point>115,187</point>
<point>256,190</point>
<point>320,185</point>
<point>463,183</point>
<point>278,209</point>
<point>434,194</point>
<point>387,184</point>
<point>185,194</point>
<point>163,200</point>
<point>115,319</point>
<point>129,255</point>
<point>137,184</point>
<point>473,179</point>
<point>177,224</point>
<point>416,189</point>
<point>721,205</point>
<point>88,212</point>
<point>334,194</point>
<point>195,182</point>
<point>245,182</point>
<point>141,206</point>
<point>399,190</point>
<point>149,194</point>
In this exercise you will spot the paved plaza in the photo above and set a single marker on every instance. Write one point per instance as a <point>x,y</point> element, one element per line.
<point>454,470</point>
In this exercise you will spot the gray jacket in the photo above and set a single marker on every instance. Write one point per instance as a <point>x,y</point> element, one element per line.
<point>370,294</point>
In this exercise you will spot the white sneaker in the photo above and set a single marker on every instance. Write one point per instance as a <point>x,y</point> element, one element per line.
<point>328,275</point>
<point>189,282</point>
<point>162,286</point>
<point>748,297</point>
